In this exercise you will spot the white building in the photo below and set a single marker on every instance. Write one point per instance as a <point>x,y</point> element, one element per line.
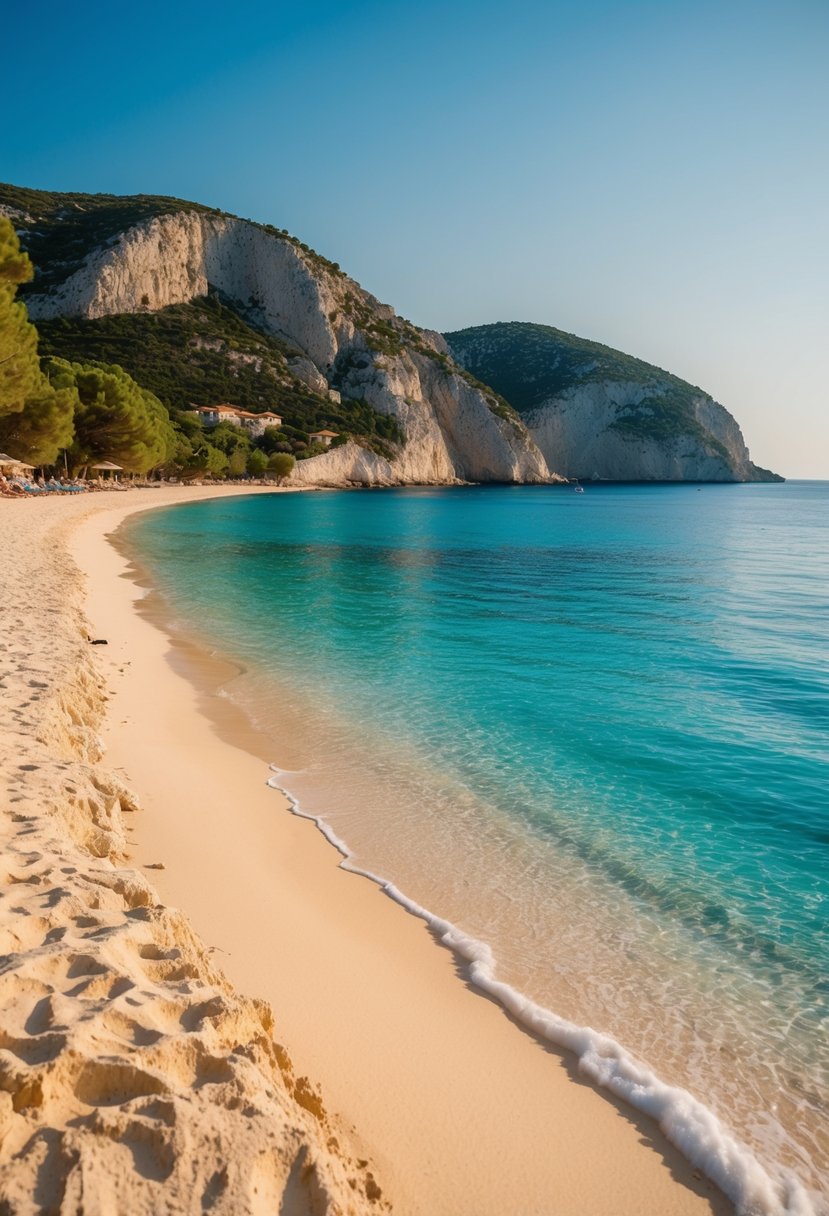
<point>323,437</point>
<point>255,424</point>
<point>212,415</point>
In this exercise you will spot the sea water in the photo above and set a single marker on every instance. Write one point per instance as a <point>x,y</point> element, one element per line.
<point>587,735</point>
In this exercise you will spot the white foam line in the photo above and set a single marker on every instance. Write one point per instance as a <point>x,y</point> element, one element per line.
<point>694,1129</point>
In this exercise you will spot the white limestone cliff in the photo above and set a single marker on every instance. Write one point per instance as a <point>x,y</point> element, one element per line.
<point>451,433</point>
<point>576,433</point>
<point>599,413</point>
<point>348,465</point>
<point>451,430</point>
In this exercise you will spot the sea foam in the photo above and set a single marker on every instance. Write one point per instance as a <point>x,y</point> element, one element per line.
<point>698,1133</point>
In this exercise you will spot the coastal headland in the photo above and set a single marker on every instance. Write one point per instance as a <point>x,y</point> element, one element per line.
<point>152,876</point>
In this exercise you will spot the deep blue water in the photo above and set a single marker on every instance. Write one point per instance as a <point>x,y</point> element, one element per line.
<point>575,718</point>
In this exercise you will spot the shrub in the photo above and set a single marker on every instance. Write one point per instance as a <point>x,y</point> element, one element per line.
<point>281,464</point>
<point>257,462</point>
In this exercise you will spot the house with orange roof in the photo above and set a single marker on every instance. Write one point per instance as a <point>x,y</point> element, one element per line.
<point>257,424</point>
<point>323,437</point>
<point>212,415</point>
<point>254,424</point>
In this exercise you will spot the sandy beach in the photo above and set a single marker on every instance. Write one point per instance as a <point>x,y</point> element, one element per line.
<point>141,1067</point>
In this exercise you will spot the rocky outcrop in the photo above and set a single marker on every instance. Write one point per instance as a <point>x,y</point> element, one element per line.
<point>348,465</point>
<point>451,432</point>
<point>349,342</point>
<point>598,413</point>
<point>583,434</point>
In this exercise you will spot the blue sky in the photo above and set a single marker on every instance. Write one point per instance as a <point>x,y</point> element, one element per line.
<point>650,174</point>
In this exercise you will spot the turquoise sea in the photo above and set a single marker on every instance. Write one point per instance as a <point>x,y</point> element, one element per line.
<point>590,732</point>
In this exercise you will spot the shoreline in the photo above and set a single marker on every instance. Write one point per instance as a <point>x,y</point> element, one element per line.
<point>340,1082</point>
<point>425,1070</point>
<point>703,1139</point>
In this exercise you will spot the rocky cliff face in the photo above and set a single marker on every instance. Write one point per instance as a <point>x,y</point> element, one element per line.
<point>597,413</point>
<point>583,435</point>
<point>455,430</point>
<point>565,403</point>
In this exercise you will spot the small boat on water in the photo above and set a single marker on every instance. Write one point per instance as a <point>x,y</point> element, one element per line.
<point>577,489</point>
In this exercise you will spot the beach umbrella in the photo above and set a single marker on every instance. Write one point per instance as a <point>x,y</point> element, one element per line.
<point>106,466</point>
<point>10,462</point>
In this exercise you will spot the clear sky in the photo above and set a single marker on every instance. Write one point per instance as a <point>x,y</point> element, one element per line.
<point>653,174</point>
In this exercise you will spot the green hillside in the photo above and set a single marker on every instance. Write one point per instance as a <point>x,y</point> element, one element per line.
<point>529,364</point>
<point>203,353</point>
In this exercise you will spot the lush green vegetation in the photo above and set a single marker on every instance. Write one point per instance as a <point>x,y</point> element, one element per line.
<point>530,364</point>
<point>19,368</point>
<point>36,418</point>
<point>280,464</point>
<point>114,418</point>
<point>85,412</point>
<point>204,353</point>
<point>80,412</point>
<point>200,353</point>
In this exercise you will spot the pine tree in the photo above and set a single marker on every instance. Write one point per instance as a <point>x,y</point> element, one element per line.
<point>36,422</point>
<point>43,428</point>
<point>115,419</point>
<point>20,376</point>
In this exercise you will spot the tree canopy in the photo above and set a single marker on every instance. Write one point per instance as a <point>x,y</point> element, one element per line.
<point>257,462</point>
<point>282,464</point>
<point>193,455</point>
<point>43,428</point>
<point>20,374</point>
<point>36,421</point>
<point>115,419</point>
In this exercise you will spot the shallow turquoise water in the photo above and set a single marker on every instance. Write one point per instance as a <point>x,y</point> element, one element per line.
<point>592,729</point>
